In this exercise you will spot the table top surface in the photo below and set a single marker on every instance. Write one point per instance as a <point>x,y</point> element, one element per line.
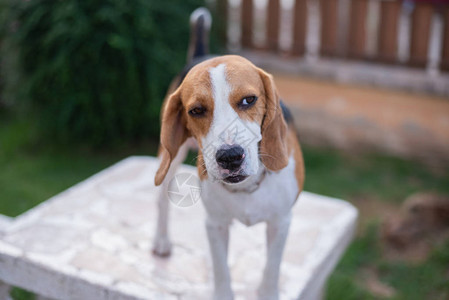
<point>94,240</point>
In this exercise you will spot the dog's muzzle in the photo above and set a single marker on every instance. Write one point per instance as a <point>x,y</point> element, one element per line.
<point>230,158</point>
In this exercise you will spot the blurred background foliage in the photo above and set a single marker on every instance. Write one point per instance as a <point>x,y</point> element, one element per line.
<point>92,72</point>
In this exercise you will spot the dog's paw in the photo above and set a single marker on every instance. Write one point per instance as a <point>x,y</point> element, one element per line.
<point>162,247</point>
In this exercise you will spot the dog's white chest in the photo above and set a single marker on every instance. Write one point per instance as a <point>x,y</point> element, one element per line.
<point>273,199</point>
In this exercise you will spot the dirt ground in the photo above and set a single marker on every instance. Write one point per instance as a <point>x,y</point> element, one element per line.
<point>367,118</point>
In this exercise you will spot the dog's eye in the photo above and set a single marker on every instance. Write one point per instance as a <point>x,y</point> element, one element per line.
<point>247,102</point>
<point>197,111</point>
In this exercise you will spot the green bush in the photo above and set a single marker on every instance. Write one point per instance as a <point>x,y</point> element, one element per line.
<point>94,71</point>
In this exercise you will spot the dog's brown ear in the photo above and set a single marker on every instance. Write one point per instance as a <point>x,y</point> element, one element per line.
<point>173,134</point>
<point>273,146</point>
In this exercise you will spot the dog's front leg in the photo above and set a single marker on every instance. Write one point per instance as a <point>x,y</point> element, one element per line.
<point>277,231</point>
<point>218,235</point>
<point>162,244</point>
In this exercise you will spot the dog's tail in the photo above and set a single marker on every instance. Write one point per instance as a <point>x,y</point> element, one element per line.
<point>200,23</point>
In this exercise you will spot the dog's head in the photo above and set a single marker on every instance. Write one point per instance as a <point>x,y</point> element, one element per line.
<point>232,109</point>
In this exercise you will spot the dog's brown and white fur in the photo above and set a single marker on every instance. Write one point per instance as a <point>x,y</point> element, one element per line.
<point>253,171</point>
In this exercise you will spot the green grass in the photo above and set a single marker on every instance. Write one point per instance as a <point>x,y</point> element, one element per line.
<point>27,178</point>
<point>411,281</point>
<point>32,171</point>
<point>429,280</point>
<point>343,282</point>
<point>388,179</point>
<point>20,294</point>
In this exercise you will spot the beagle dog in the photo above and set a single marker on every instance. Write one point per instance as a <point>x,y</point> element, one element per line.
<point>249,161</point>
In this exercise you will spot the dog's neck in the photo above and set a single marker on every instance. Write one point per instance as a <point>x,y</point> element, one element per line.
<point>249,185</point>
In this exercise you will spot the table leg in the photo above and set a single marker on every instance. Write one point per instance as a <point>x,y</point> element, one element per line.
<point>4,291</point>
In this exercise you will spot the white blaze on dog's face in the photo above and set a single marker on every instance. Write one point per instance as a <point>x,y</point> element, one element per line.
<point>232,109</point>
<point>230,148</point>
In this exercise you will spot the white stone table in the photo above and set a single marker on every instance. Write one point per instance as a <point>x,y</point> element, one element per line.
<point>94,240</point>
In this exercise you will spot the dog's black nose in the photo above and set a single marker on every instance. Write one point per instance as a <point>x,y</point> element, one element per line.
<point>230,158</point>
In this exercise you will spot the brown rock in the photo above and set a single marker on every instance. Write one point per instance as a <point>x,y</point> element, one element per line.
<point>422,221</point>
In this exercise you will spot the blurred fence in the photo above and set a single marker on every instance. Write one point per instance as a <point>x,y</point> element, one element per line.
<point>409,33</point>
